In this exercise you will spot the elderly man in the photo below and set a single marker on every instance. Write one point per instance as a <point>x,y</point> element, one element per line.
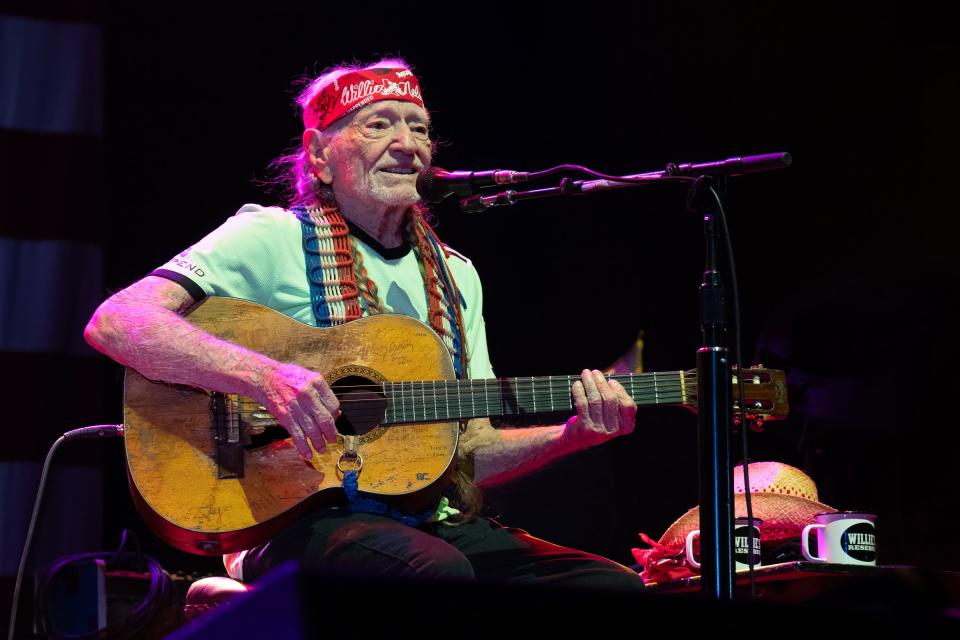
<point>352,243</point>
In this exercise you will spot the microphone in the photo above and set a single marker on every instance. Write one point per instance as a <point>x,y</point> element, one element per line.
<point>736,166</point>
<point>434,184</point>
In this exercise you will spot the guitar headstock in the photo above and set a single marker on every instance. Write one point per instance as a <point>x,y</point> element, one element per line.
<point>764,395</point>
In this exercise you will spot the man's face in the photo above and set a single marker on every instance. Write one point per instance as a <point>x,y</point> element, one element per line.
<point>374,158</point>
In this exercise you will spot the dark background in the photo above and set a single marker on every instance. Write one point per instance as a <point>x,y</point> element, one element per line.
<point>846,262</point>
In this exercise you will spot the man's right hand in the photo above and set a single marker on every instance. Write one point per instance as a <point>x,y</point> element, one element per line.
<point>141,327</point>
<point>304,404</point>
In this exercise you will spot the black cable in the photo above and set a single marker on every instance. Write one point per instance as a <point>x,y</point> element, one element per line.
<point>30,530</point>
<point>96,431</point>
<point>735,303</point>
<point>159,593</point>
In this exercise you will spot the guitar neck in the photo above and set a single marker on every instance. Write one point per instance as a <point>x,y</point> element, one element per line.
<point>446,400</point>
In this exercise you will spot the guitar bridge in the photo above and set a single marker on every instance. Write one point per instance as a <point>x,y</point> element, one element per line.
<point>225,418</point>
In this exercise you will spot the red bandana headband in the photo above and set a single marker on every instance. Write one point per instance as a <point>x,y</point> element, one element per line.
<point>357,89</point>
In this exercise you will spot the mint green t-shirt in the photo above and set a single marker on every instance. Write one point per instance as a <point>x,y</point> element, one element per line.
<point>257,255</point>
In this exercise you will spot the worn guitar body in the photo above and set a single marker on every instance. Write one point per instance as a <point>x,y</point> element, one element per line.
<point>177,470</point>
<point>212,473</point>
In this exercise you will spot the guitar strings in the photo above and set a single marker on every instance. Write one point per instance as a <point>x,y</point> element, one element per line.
<point>515,387</point>
<point>480,397</point>
<point>400,415</point>
<point>417,387</point>
<point>442,411</point>
<point>632,378</point>
<point>432,396</point>
<point>486,400</point>
<point>409,388</point>
<point>471,392</point>
<point>491,395</point>
<point>521,394</point>
<point>636,378</point>
<point>485,404</point>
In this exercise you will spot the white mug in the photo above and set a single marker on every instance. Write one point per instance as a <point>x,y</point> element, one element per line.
<point>740,537</point>
<point>844,537</point>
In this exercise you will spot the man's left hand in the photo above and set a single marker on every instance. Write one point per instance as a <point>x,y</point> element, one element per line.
<point>604,410</point>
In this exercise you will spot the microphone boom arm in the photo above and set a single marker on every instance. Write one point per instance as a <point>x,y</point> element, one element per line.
<point>687,172</point>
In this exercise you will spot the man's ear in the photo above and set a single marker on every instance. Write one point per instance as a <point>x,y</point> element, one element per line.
<point>318,151</point>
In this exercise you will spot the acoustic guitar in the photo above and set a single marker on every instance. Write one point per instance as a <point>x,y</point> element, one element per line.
<point>213,473</point>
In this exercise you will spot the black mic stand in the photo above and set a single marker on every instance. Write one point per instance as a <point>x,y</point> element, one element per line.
<point>714,417</point>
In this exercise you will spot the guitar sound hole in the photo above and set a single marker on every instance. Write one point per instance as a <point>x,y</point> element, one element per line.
<point>362,403</point>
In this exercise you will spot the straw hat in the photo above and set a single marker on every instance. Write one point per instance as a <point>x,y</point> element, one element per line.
<point>783,497</point>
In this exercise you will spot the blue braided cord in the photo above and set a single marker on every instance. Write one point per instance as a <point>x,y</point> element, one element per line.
<point>311,254</point>
<point>449,288</point>
<point>362,504</point>
<point>321,314</point>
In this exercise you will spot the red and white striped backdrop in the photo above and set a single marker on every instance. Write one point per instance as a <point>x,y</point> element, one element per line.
<point>51,230</point>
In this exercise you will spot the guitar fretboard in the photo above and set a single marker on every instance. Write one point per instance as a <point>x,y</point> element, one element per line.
<point>429,400</point>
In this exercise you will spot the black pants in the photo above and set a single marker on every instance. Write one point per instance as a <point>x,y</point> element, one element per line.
<point>479,550</point>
